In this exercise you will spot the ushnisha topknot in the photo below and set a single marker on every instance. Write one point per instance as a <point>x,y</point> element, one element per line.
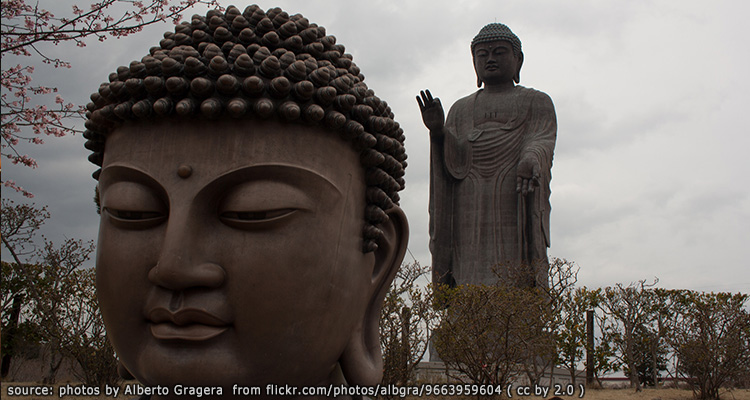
<point>497,31</point>
<point>256,64</point>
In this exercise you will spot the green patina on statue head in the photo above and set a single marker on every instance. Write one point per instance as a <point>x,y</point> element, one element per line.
<point>262,65</point>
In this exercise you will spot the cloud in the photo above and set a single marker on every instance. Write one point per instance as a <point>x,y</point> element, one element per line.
<point>650,170</point>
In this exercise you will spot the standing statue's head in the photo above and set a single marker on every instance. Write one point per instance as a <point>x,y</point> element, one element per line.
<point>497,55</point>
<point>250,225</point>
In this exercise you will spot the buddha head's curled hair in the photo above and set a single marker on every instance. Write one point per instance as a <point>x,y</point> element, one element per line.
<point>256,64</point>
<point>497,31</point>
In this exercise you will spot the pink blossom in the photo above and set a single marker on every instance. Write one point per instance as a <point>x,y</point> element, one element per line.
<point>12,185</point>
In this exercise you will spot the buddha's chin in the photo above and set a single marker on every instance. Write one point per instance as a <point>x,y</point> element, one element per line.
<point>190,363</point>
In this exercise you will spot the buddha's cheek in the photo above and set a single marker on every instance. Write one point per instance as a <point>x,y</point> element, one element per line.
<point>122,263</point>
<point>289,302</point>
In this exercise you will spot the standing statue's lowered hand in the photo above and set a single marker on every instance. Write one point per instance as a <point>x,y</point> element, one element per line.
<point>528,176</point>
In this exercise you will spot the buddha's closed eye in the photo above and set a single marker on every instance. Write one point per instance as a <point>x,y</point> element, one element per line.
<point>131,205</point>
<point>241,219</point>
<point>134,219</point>
<point>133,215</point>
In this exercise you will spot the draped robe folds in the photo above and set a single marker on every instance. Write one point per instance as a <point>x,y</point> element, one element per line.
<point>479,229</point>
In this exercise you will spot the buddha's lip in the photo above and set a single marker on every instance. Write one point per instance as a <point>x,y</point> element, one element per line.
<point>187,324</point>
<point>186,316</point>
<point>190,333</point>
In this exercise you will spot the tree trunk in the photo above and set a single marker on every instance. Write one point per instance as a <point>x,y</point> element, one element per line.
<point>654,365</point>
<point>10,334</point>
<point>572,371</point>
<point>405,347</point>
<point>655,350</point>
<point>589,347</point>
<point>55,360</point>
<point>630,358</point>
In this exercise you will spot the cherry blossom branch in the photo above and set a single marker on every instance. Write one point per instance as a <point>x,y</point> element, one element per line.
<point>25,28</point>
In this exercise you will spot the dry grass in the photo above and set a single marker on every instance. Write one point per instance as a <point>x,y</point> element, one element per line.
<point>658,394</point>
<point>600,394</point>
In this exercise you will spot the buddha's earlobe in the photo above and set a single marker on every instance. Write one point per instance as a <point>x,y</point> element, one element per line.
<point>123,372</point>
<point>474,61</point>
<point>362,361</point>
<point>517,76</point>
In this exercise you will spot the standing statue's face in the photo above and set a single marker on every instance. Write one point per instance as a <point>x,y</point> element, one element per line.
<point>495,63</point>
<point>230,252</point>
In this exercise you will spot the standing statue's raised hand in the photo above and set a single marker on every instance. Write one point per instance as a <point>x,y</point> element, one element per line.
<point>433,115</point>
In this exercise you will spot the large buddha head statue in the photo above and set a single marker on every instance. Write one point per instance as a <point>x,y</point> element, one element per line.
<point>248,187</point>
<point>497,55</point>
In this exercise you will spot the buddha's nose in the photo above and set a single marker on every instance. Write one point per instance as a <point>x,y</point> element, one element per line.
<point>183,261</point>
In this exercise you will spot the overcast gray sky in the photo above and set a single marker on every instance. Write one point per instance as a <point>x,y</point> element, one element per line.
<point>650,175</point>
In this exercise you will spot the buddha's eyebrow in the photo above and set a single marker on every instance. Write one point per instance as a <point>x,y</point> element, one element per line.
<point>305,179</point>
<point>119,172</point>
<point>293,174</point>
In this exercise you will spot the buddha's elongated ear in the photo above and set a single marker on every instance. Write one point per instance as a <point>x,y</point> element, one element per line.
<point>474,61</point>
<point>362,361</point>
<point>517,76</point>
